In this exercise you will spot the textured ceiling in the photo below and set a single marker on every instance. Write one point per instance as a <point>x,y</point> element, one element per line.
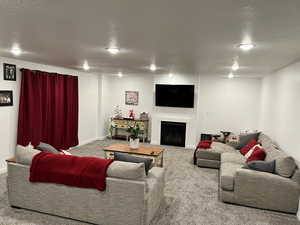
<point>188,37</point>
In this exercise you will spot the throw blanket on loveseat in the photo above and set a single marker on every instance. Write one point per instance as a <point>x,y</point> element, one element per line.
<point>85,172</point>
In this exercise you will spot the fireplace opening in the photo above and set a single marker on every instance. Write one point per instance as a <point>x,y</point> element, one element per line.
<point>172,133</point>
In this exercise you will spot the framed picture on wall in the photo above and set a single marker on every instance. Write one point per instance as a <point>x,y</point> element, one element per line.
<point>6,98</point>
<point>131,97</point>
<point>9,72</point>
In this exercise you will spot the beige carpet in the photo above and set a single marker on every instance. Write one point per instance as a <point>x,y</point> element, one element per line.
<point>191,198</point>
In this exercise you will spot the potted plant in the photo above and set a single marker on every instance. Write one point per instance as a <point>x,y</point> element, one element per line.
<point>134,132</point>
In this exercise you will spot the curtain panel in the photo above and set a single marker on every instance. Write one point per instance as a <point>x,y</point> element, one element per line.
<point>48,110</point>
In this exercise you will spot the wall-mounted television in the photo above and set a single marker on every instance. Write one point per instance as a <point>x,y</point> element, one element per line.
<point>174,95</point>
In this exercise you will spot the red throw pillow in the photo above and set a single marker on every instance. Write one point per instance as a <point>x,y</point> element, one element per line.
<point>250,145</point>
<point>204,144</point>
<point>258,154</point>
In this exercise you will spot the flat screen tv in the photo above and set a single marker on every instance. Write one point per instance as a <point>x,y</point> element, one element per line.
<point>174,95</point>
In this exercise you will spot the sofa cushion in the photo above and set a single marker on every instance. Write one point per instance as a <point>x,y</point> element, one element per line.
<point>126,170</point>
<point>265,140</point>
<point>227,174</point>
<point>272,151</point>
<point>245,138</point>
<point>233,157</point>
<point>134,159</point>
<point>24,155</point>
<point>214,153</point>
<point>47,148</point>
<point>261,166</point>
<point>285,167</point>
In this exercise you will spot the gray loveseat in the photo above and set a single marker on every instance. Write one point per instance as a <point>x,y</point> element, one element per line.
<point>250,187</point>
<point>129,198</point>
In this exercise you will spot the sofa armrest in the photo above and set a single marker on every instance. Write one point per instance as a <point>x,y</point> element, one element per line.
<point>265,179</point>
<point>266,190</point>
<point>156,176</point>
<point>155,184</point>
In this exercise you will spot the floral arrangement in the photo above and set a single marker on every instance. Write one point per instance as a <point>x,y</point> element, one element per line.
<point>134,131</point>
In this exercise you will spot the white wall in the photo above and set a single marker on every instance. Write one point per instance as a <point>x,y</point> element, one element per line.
<point>185,115</point>
<point>116,93</point>
<point>88,106</point>
<point>220,103</point>
<point>229,104</point>
<point>281,108</point>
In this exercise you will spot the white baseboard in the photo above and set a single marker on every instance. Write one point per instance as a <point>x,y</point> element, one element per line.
<point>3,170</point>
<point>190,146</point>
<point>87,141</point>
<point>91,140</point>
<point>102,138</point>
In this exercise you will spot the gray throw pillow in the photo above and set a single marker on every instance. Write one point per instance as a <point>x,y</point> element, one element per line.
<point>129,158</point>
<point>245,138</point>
<point>126,170</point>
<point>47,148</point>
<point>285,167</point>
<point>261,166</point>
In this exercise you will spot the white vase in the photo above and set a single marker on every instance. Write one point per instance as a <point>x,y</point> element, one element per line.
<point>134,143</point>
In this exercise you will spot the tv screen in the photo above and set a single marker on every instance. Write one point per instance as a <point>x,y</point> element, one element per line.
<point>174,95</point>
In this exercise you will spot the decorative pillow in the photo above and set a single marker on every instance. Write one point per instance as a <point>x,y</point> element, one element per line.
<point>249,153</point>
<point>24,155</point>
<point>129,158</point>
<point>126,170</point>
<point>245,138</point>
<point>249,146</point>
<point>285,166</point>
<point>63,152</point>
<point>47,148</point>
<point>257,154</point>
<point>261,166</point>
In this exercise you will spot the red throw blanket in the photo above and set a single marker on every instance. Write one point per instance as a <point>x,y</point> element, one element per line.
<point>85,172</point>
<point>204,144</point>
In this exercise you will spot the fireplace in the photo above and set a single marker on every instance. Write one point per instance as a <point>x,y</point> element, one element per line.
<point>172,133</point>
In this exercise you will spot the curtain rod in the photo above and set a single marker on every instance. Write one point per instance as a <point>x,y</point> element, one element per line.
<point>51,73</point>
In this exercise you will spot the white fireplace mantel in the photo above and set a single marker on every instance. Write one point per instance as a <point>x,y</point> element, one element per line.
<point>156,128</point>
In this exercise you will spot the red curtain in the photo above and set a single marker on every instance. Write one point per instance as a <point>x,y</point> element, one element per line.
<point>48,110</point>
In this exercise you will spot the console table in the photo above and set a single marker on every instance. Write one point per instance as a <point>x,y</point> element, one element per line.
<point>124,124</point>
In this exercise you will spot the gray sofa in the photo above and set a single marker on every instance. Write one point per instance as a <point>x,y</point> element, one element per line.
<point>250,187</point>
<point>129,198</point>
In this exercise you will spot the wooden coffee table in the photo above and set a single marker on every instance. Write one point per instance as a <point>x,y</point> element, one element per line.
<point>155,153</point>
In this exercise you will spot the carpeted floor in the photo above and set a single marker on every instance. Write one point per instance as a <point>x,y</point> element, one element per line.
<point>191,198</point>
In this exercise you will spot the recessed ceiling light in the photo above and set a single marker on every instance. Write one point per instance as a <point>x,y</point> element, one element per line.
<point>230,76</point>
<point>15,50</point>
<point>113,50</point>
<point>153,67</point>
<point>246,46</point>
<point>86,65</point>
<point>170,74</point>
<point>235,66</point>
<point>120,74</point>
